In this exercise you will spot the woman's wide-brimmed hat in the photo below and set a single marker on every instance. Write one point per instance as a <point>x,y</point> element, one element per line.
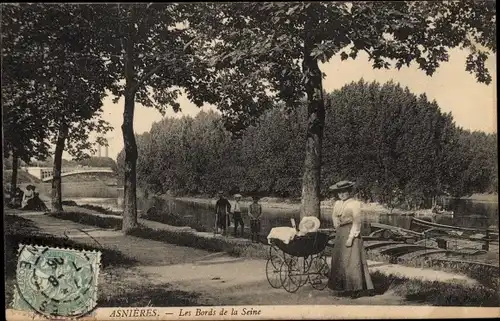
<point>342,185</point>
<point>309,224</point>
<point>237,195</point>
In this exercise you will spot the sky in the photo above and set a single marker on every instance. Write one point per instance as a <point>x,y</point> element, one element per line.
<point>472,104</point>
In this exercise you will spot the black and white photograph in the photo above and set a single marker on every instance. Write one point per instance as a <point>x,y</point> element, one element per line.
<point>250,160</point>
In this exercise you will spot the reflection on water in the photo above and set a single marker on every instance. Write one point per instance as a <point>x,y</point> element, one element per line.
<point>467,213</point>
<point>470,213</point>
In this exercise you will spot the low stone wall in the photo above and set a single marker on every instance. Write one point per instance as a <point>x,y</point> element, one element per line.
<point>179,235</point>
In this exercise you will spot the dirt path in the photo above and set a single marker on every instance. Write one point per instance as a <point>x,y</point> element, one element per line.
<point>235,281</point>
<point>147,252</point>
<point>215,278</point>
<point>188,270</point>
<point>244,283</point>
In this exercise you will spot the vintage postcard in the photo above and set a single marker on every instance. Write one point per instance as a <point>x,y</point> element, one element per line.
<point>250,161</point>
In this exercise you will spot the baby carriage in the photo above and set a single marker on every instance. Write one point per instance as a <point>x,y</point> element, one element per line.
<point>301,261</point>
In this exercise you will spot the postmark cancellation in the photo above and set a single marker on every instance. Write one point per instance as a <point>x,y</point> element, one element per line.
<point>56,282</point>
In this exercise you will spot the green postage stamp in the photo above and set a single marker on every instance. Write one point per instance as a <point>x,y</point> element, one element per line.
<point>56,281</point>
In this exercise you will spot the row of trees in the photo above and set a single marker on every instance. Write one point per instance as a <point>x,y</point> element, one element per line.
<point>60,60</point>
<point>49,95</point>
<point>399,147</point>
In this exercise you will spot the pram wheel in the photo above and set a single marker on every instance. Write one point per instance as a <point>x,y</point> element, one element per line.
<point>298,262</point>
<point>292,277</point>
<point>275,256</point>
<point>273,269</point>
<point>318,272</point>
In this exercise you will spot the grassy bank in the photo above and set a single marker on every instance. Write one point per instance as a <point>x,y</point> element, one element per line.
<point>154,214</point>
<point>89,219</point>
<point>22,231</point>
<point>486,275</point>
<point>119,284</point>
<point>189,237</point>
<point>234,247</point>
<point>162,216</point>
<point>95,208</point>
<point>124,286</point>
<point>436,293</point>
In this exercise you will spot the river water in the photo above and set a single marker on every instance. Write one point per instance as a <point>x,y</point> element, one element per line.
<point>467,213</point>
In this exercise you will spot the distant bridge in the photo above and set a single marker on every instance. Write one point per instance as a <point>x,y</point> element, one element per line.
<point>83,171</point>
<point>45,173</point>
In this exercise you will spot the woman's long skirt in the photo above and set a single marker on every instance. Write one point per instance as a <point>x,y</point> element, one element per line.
<point>349,269</point>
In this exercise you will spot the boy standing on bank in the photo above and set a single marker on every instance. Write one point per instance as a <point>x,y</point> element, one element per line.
<point>238,220</point>
<point>255,213</point>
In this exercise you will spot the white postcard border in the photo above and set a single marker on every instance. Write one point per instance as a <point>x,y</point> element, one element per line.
<point>278,312</point>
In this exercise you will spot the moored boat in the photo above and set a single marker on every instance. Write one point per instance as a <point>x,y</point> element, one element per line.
<point>427,227</point>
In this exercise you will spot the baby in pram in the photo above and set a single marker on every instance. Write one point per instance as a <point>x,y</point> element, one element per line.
<point>308,224</point>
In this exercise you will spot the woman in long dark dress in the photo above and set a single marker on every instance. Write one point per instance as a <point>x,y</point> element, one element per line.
<point>349,270</point>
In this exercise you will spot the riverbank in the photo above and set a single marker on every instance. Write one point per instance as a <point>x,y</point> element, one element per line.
<point>162,274</point>
<point>186,235</point>
<point>277,204</point>
<point>490,198</point>
<point>268,202</point>
<point>483,267</point>
<point>293,205</point>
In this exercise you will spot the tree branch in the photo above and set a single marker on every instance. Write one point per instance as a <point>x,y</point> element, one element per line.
<point>155,69</point>
<point>148,75</point>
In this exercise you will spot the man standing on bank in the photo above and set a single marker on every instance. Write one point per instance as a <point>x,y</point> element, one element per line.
<point>349,270</point>
<point>238,220</point>
<point>222,209</point>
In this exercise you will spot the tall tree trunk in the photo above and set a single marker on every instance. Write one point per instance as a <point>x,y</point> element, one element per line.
<point>129,175</point>
<point>129,221</point>
<point>56,204</point>
<point>314,137</point>
<point>13,181</point>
